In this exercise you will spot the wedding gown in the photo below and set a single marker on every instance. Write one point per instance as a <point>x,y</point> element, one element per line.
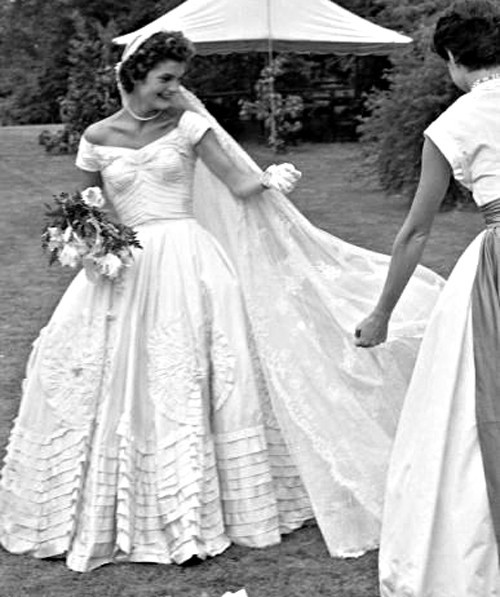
<point>213,395</point>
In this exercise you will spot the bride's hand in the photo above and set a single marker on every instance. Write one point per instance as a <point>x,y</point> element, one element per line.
<point>372,330</point>
<point>282,177</point>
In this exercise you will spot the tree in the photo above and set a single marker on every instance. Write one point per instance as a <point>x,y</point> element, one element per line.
<point>418,90</point>
<point>91,90</point>
<point>33,64</point>
<point>280,114</point>
<point>35,45</point>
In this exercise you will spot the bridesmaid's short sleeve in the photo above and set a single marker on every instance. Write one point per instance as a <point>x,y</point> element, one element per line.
<point>442,133</point>
<point>87,158</point>
<point>194,126</point>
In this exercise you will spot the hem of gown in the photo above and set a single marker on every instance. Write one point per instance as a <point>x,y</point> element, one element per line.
<point>81,563</point>
<point>164,502</point>
<point>356,553</point>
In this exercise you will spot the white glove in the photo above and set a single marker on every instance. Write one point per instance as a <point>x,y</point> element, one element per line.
<point>282,177</point>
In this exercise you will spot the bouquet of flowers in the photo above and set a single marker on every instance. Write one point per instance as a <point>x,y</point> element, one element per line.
<point>79,232</point>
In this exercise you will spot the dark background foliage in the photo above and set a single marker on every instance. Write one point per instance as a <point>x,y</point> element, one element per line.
<point>418,88</point>
<point>56,66</point>
<point>37,51</point>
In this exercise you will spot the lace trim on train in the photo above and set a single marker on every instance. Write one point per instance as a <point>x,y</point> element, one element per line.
<point>175,372</point>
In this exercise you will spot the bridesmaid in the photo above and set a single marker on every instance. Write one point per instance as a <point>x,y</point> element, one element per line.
<point>441,524</point>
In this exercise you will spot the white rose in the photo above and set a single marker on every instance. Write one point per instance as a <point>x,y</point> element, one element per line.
<point>93,197</point>
<point>55,238</point>
<point>109,265</point>
<point>55,233</point>
<point>67,234</point>
<point>69,256</point>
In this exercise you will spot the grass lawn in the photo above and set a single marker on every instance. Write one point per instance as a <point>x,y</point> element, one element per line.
<point>337,194</point>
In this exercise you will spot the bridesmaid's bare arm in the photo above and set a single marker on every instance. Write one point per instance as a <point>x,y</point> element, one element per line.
<point>409,244</point>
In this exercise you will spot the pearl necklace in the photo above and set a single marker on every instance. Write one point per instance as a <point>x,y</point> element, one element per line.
<point>491,77</point>
<point>141,118</point>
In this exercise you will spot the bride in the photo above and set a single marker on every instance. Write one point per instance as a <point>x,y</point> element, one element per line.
<point>214,394</point>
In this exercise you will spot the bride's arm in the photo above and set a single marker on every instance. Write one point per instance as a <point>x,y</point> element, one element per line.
<point>242,182</point>
<point>89,179</point>
<point>241,179</point>
<point>409,244</point>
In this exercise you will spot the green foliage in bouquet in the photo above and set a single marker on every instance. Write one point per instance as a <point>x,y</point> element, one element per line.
<point>89,222</point>
<point>79,232</point>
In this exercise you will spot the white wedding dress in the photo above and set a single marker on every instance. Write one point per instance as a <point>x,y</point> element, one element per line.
<point>213,395</point>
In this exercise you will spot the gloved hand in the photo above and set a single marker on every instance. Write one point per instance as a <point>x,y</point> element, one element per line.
<point>282,177</point>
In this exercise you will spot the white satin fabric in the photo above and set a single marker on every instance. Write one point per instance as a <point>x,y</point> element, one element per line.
<point>214,394</point>
<point>437,533</point>
<point>145,433</point>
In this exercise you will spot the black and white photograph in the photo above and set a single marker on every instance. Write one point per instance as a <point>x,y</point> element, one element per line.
<point>249,298</point>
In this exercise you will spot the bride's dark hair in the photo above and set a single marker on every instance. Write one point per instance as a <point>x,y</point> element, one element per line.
<point>470,30</point>
<point>161,46</point>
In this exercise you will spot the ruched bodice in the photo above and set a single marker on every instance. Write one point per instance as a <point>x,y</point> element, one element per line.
<point>153,182</point>
<point>150,183</point>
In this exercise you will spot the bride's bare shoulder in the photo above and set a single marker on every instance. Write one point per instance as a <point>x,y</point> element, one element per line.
<point>100,132</point>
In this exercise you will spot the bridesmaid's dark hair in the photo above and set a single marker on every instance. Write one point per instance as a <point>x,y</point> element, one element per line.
<point>161,46</point>
<point>470,30</point>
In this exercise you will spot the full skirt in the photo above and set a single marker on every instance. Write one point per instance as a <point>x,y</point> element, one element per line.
<point>437,532</point>
<point>144,433</point>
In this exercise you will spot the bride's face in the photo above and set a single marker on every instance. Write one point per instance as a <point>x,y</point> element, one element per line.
<point>159,89</point>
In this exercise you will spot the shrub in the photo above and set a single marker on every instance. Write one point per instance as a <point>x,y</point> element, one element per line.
<point>418,89</point>
<point>286,110</point>
<point>92,93</point>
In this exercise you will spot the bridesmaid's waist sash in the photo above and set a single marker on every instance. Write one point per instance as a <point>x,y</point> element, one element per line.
<point>491,213</point>
<point>485,305</point>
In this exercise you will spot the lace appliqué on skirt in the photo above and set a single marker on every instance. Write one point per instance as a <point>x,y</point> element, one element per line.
<point>72,360</point>
<point>178,375</point>
<point>175,372</point>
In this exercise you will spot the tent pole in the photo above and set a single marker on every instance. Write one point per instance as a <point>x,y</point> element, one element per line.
<point>271,86</point>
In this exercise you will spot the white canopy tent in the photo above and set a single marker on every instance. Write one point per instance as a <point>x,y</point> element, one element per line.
<point>320,26</point>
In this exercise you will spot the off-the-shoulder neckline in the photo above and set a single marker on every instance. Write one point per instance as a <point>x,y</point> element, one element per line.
<point>163,136</point>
